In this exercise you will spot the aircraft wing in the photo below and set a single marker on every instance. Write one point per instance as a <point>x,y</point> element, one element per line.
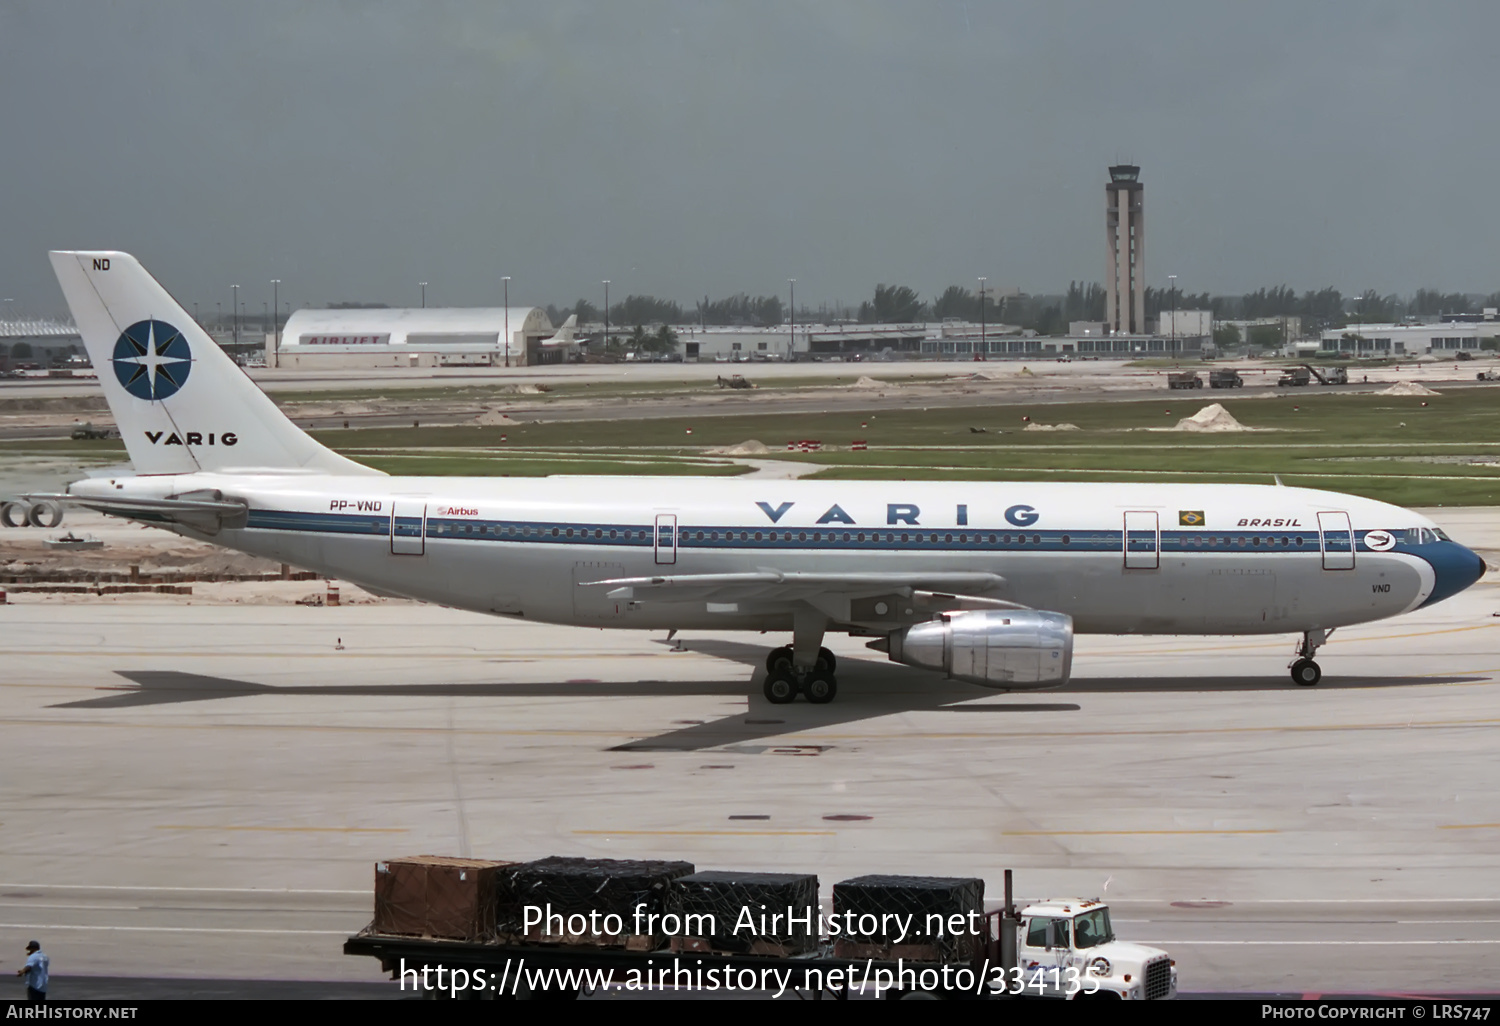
<point>847,597</point>
<point>207,513</point>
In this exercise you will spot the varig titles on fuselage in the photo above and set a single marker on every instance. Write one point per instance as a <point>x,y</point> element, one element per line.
<point>901,514</point>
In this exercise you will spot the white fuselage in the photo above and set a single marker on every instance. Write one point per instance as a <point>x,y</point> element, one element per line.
<point>1117,558</point>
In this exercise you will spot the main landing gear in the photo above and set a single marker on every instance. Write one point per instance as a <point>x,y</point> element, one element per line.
<point>784,681</point>
<point>804,665</point>
<point>1305,672</point>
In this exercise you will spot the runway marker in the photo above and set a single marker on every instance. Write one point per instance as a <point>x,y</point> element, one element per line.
<point>1124,833</point>
<point>293,830</point>
<point>708,833</point>
<point>92,908</point>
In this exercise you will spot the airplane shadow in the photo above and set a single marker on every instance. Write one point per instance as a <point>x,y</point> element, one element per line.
<point>867,689</point>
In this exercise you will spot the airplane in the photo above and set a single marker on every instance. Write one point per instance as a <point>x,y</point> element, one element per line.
<point>986,582</point>
<point>564,335</point>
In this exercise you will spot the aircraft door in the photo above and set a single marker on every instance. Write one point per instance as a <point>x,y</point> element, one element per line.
<point>1142,540</point>
<point>1338,541</point>
<point>408,526</point>
<point>666,537</point>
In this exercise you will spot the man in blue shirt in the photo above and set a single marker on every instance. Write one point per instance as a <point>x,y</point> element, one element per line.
<point>35,971</point>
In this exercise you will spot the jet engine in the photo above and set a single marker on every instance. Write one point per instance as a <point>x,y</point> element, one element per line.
<point>995,648</point>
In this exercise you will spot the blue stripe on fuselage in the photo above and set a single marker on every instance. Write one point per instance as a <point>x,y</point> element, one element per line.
<point>799,539</point>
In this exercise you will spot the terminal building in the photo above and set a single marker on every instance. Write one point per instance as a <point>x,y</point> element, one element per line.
<point>416,337</point>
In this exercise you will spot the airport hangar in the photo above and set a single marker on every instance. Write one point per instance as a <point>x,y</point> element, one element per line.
<point>318,339</point>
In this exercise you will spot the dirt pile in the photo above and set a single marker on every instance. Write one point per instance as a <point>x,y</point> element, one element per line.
<point>494,418</point>
<point>750,448</point>
<point>1052,427</point>
<point>1211,418</point>
<point>1407,388</point>
<point>869,382</point>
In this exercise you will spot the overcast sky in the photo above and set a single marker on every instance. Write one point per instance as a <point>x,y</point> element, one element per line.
<point>683,148</point>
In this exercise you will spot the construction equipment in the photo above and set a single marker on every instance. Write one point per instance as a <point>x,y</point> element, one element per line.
<point>1186,379</point>
<point>734,381</point>
<point>1225,377</point>
<point>1332,376</point>
<point>1295,377</point>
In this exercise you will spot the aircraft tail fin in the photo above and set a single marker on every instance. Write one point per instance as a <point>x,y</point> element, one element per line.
<point>565,333</point>
<point>182,405</point>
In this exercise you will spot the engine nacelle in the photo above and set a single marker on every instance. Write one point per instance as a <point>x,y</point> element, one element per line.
<point>996,648</point>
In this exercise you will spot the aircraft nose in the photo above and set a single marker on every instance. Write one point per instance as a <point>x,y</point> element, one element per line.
<point>1454,567</point>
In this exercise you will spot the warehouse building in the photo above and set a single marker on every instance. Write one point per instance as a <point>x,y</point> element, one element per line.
<point>420,337</point>
<point>1468,333</point>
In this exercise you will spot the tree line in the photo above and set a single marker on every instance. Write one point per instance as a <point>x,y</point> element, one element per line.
<point>1044,313</point>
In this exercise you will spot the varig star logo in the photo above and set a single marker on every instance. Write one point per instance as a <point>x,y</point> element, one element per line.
<point>152,360</point>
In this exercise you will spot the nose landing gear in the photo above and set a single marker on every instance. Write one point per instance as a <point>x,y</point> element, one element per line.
<point>1305,672</point>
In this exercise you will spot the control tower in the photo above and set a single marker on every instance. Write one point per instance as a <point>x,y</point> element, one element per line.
<point>1125,242</point>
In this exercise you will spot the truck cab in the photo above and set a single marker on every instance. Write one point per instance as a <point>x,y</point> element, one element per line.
<point>1076,934</point>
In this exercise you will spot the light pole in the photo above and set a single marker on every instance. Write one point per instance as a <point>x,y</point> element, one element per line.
<point>606,313</point>
<point>195,313</point>
<point>218,316</point>
<point>1173,279</point>
<point>506,279</point>
<point>792,344</point>
<point>234,311</point>
<point>983,337</point>
<point>276,313</point>
<point>424,294</point>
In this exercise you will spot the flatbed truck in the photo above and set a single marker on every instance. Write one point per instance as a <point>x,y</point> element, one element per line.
<point>1058,948</point>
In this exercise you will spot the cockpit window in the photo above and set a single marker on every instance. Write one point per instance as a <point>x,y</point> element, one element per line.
<point>1441,534</point>
<point>1424,535</point>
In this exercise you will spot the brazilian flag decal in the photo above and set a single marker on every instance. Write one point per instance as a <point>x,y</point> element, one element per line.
<point>1190,518</point>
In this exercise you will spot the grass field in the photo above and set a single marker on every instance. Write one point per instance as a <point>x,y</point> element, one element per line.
<point>1393,448</point>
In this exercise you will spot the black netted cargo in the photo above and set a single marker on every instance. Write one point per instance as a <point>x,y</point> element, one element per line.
<point>593,886</point>
<point>930,901</point>
<point>778,909</point>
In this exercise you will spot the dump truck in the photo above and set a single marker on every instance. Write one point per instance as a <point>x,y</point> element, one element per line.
<point>1185,379</point>
<point>1225,377</point>
<point>1294,377</point>
<point>87,430</point>
<point>467,928</point>
<point>734,381</point>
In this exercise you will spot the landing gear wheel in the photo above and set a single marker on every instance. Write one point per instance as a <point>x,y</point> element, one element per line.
<point>1306,673</point>
<point>776,655</point>
<point>780,688</point>
<point>820,688</point>
<point>828,659</point>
